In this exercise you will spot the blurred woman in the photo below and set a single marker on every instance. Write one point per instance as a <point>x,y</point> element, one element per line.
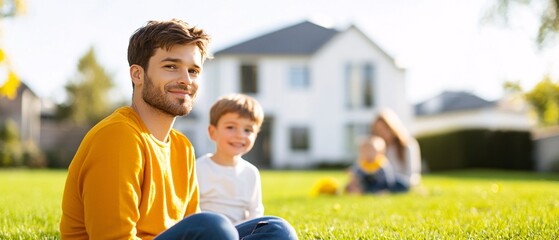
<point>402,150</point>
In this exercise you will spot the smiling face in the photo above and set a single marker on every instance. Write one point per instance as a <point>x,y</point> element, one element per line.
<point>171,81</point>
<point>234,136</point>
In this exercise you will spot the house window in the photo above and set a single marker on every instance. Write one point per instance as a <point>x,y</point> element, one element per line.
<point>299,137</point>
<point>299,77</point>
<point>249,79</point>
<point>360,85</point>
<point>368,96</point>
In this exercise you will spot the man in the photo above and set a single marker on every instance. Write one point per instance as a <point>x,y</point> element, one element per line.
<point>133,176</point>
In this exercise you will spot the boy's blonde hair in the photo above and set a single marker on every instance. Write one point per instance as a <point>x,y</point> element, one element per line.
<point>245,106</point>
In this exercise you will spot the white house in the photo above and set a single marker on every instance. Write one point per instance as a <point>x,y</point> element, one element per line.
<point>320,89</point>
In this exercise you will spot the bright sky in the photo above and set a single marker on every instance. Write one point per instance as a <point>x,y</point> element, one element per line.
<point>441,43</point>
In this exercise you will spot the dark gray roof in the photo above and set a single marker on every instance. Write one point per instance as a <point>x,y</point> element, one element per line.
<point>450,101</point>
<point>300,39</point>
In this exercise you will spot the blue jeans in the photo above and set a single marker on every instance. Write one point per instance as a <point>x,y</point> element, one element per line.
<point>212,226</point>
<point>399,187</point>
<point>372,182</point>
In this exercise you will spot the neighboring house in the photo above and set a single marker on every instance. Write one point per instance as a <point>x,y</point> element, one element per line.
<point>453,110</point>
<point>320,89</point>
<point>461,110</point>
<point>25,110</point>
<point>546,152</point>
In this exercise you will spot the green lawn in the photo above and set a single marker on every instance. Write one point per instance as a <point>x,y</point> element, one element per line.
<point>451,205</point>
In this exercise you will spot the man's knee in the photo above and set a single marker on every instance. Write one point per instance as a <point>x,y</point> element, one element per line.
<point>276,225</point>
<point>202,226</point>
<point>207,218</point>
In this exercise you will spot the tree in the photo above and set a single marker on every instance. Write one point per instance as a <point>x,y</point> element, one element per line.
<point>87,92</point>
<point>548,11</point>
<point>543,97</point>
<point>10,83</point>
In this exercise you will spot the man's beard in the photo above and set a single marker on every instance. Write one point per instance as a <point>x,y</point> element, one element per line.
<point>156,99</point>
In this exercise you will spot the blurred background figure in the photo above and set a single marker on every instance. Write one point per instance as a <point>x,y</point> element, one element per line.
<point>402,150</point>
<point>371,173</point>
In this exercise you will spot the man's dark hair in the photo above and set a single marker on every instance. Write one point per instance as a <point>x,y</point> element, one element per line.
<point>164,34</point>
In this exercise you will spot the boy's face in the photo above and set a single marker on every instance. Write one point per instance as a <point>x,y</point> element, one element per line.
<point>233,135</point>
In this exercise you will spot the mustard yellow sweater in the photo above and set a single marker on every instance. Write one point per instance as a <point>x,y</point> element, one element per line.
<point>125,184</point>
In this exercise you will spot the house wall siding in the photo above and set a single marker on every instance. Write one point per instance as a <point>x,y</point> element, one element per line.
<point>25,110</point>
<point>332,114</point>
<point>322,107</point>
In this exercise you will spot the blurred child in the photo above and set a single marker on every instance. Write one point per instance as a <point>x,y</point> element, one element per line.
<point>369,174</point>
<point>229,184</point>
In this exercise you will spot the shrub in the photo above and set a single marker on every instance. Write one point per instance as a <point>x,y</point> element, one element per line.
<point>14,153</point>
<point>11,153</point>
<point>478,148</point>
<point>33,157</point>
<point>555,166</point>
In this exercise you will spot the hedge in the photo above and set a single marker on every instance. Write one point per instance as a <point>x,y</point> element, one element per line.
<point>477,148</point>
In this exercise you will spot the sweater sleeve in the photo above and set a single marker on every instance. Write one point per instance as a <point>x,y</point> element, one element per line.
<point>110,183</point>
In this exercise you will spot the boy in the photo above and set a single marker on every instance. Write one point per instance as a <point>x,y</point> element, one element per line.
<point>229,184</point>
<point>369,175</point>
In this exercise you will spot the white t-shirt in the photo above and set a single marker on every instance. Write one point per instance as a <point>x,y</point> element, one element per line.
<point>234,191</point>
